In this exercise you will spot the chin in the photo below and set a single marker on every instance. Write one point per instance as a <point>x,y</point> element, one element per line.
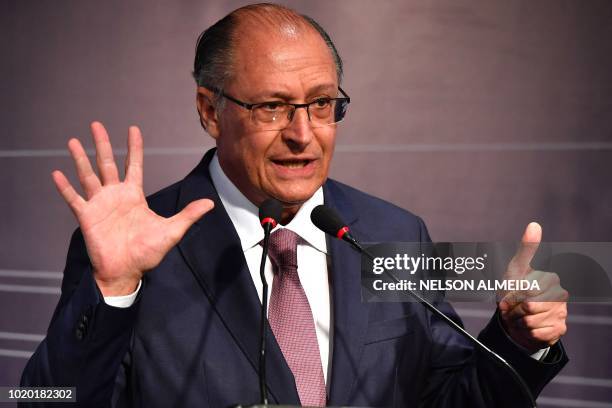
<point>295,197</point>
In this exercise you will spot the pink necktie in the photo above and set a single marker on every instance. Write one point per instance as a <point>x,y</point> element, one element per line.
<point>291,320</point>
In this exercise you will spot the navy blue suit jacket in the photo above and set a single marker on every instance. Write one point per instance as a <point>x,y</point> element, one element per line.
<point>191,338</point>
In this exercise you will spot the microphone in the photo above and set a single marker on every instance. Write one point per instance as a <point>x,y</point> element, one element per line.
<point>269,215</point>
<point>328,221</point>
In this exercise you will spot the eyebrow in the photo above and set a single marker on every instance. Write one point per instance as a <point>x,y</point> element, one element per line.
<point>286,97</point>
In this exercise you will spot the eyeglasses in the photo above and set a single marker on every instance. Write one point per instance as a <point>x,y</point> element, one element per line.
<point>276,115</point>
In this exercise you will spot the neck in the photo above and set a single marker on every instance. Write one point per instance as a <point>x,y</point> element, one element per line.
<point>289,212</point>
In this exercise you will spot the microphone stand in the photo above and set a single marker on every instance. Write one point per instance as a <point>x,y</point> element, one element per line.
<point>347,237</point>
<point>263,391</point>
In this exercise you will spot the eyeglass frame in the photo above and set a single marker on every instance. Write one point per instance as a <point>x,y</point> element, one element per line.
<point>296,106</point>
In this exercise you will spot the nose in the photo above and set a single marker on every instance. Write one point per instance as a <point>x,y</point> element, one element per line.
<point>299,132</point>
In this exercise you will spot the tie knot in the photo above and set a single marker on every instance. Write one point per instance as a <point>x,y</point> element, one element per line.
<point>283,249</point>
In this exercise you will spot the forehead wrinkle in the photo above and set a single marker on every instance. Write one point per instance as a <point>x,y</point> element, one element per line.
<point>264,58</point>
<point>282,53</point>
<point>290,62</point>
<point>313,73</point>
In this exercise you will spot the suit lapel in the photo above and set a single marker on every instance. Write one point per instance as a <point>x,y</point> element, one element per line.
<point>350,315</point>
<point>212,250</point>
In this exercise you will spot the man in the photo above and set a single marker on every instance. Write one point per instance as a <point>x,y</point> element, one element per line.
<point>160,298</point>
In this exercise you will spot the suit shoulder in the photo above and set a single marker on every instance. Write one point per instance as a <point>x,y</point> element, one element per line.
<point>164,201</point>
<point>385,215</point>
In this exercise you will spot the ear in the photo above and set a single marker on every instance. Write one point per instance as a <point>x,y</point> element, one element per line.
<point>207,111</point>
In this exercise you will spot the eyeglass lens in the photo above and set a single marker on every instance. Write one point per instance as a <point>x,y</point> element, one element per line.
<point>271,116</point>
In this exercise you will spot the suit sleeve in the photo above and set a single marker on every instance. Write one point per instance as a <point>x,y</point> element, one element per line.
<point>462,375</point>
<point>86,340</point>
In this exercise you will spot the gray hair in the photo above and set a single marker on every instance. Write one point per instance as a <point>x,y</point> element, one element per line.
<point>212,67</point>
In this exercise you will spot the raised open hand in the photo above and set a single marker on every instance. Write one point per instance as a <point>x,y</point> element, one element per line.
<point>124,238</point>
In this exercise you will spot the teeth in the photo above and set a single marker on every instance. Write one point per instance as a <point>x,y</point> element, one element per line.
<point>294,165</point>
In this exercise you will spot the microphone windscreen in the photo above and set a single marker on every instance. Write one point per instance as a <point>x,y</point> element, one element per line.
<point>326,220</point>
<point>270,208</point>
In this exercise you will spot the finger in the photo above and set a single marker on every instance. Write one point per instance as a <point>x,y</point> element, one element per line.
<point>104,155</point>
<point>180,223</point>
<point>549,290</point>
<point>554,294</point>
<point>537,321</point>
<point>134,161</point>
<point>555,299</point>
<point>520,264</point>
<point>527,308</point>
<point>545,280</point>
<point>509,302</point>
<point>72,198</point>
<point>549,335</point>
<point>516,297</point>
<point>554,314</point>
<point>87,177</point>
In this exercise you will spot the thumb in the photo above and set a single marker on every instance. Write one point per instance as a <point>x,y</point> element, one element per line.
<point>180,223</point>
<point>520,264</point>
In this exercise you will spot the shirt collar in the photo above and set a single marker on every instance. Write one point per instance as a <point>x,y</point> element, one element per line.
<point>244,214</point>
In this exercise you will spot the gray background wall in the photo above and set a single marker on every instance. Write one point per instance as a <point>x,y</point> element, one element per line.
<point>478,115</point>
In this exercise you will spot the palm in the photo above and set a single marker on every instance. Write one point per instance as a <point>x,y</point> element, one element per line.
<point>124,237</point>
<point>117,220</point>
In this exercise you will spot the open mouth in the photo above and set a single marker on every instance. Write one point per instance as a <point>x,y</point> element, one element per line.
<point>292,164</point>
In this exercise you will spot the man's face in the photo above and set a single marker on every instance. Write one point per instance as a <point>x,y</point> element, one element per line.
<point>289,164</point>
